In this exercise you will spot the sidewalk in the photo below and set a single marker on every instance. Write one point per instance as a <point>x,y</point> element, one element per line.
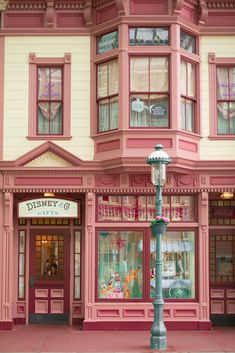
<point>70,339</point>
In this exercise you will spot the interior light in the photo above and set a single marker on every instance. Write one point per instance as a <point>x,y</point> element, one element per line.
<point>227,195</point>
<point>49,194</point>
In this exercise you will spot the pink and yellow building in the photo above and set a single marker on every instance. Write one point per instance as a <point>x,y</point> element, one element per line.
<point>87,89</point>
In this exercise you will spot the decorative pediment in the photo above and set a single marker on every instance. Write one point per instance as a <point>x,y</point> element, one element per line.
<point>48,155</point>
<point>48,159</point>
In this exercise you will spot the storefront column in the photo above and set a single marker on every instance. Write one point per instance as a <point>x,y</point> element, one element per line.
<point>6,255</point>
<point>203,266</point>
<point>89,257</point>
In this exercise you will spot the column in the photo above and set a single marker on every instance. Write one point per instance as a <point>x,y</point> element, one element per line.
<point>6,256</point>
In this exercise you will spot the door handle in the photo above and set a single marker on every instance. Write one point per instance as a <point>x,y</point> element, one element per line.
<point>31,281</point>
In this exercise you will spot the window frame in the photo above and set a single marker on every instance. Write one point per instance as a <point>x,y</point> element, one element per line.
<point>108,97</point>
<point>149,93</point>
<point>147,44</point>
<point>189,98</point>
<point>34,64</point>
<point>215,62</point>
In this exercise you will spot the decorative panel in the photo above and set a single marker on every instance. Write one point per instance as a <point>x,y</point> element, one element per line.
<point>217,307</point>
<point>231,307</point>
<point>167,313</point>
<point>57,293</point>
<point>41,293</point>
<point>185,313</point>
<point>41,306</point>
<point>108,313</point>
<point>134,312</point>
<point>57,306</point>
<point>230,293</point>
<point>217,293</point>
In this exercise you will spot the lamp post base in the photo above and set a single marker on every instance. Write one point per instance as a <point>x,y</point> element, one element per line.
<point>158,342</point>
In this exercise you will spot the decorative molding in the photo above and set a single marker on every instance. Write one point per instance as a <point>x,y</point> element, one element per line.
<point>225,5</point>
<point>3,5</point>
<point>121,5</point>
<point>203,12</point>
<point>48,159</point>
<point>26,6</point>
<point>107,180</point>
<point>186,180</point>
<point>50,13</point>
<point>178,6</point>
<point>88,12</point>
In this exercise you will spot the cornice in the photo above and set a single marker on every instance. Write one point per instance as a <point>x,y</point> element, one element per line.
<point>220,4</point>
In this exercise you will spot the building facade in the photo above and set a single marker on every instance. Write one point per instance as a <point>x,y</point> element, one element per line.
<point>87,89</point>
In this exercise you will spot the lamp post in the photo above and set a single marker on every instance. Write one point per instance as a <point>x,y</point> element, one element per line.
<point>158,161</point>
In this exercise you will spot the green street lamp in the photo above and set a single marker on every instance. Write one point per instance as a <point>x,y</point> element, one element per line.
<point>158,161</point>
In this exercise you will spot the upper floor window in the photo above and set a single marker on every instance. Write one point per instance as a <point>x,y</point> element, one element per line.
<point>149,36</point>
<point>188,42</point>
<point>108,96</point>
<point>107,42</point>
<point>226,100</point>
<point>188,96</point>
<point>149,92</point>
<point>50,101</point>
<point>49,97</point>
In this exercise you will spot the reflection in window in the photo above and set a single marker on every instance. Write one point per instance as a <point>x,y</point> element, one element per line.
<point>142,208</point>
<point>120,265</point>
<point>178,275</point>
<point>188,96</point>
<point>149,36</point>
<point>187,42</point>
<point>49,257</point>
<point>21,264</point>
<point>226,100</point>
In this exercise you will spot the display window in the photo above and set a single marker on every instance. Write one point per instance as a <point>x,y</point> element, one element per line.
<point>120,265</point>
<point>178,274</point>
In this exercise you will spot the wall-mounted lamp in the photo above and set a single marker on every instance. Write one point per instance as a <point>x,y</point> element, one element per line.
<point>227,195</point>
<point>48,194</point>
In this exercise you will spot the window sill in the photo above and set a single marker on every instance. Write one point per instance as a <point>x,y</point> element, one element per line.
<point>49,137</point>
<point>221,137</point>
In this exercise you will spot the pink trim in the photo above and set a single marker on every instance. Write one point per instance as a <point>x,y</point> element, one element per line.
<point>221,18</point>
<point>48,181</point>
<point>70,20</point>
<point>108,146</point>
<point>148,7</point>
<point>188,146</point>
<point>2,61</point>
<point>33,63</point>
<point>144,325</point>
<point>188,12</point>
<point>147,143</point>
<point>226,180</point>
<point>23,20</point>
<point>106,13</point>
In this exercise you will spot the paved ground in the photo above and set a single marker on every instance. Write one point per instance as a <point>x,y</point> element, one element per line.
<point>70,339</point>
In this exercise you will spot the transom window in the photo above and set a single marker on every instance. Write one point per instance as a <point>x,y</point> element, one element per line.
<point>188,96</point>
<point>226,100</point>
<point>49,101</point>
<point>188,42</point>
<point>142,208</point>
<point>149,96</point>
<point>108,96</point>
<point>149,36</point>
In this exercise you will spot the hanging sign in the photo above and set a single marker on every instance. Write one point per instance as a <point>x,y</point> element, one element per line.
<point>48,207</point>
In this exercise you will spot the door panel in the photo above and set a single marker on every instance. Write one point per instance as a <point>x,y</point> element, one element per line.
<point>222,278</point>
<point>49,276</point>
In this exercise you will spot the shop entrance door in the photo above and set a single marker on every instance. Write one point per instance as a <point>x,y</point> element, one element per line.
<point>222,277</point>
<point>49,277</point>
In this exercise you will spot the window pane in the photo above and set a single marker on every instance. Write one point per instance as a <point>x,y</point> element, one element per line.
<point>102,80</point>
<point>191,79</point>
<point>109,208</point>
<point>158,108</point>
<point>187,42</point>
<point>183,78</point>
<point>113,113</point>
<point>43,83</point>
<point>149,36</point>
<point>55,88</point>
<point>139,111</point>
<point>77,288</point>
<point>139,74</point>
<point>189,115</point>
<point>21,287</point>
<point>104,115</point>
<point>182,208</point>
<point>222,84</point>
<point>158,74</point>
<point>77,242</point>
<point>134,208</point>
<point>22,241</point>
<point>232,83</point>
<point>224,258</point>
<point>183,114</point>
<point>107,42</point>
<point>178,275</point>
<point>113,77</point>
<point>120,265</point>
<point>77,265</point>
<point>223,118</point>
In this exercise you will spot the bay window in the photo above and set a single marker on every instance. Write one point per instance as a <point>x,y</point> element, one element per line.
<point>108,96</point>
<point>149,92</point>
<point>226,100</point>
<point>188,96</point>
